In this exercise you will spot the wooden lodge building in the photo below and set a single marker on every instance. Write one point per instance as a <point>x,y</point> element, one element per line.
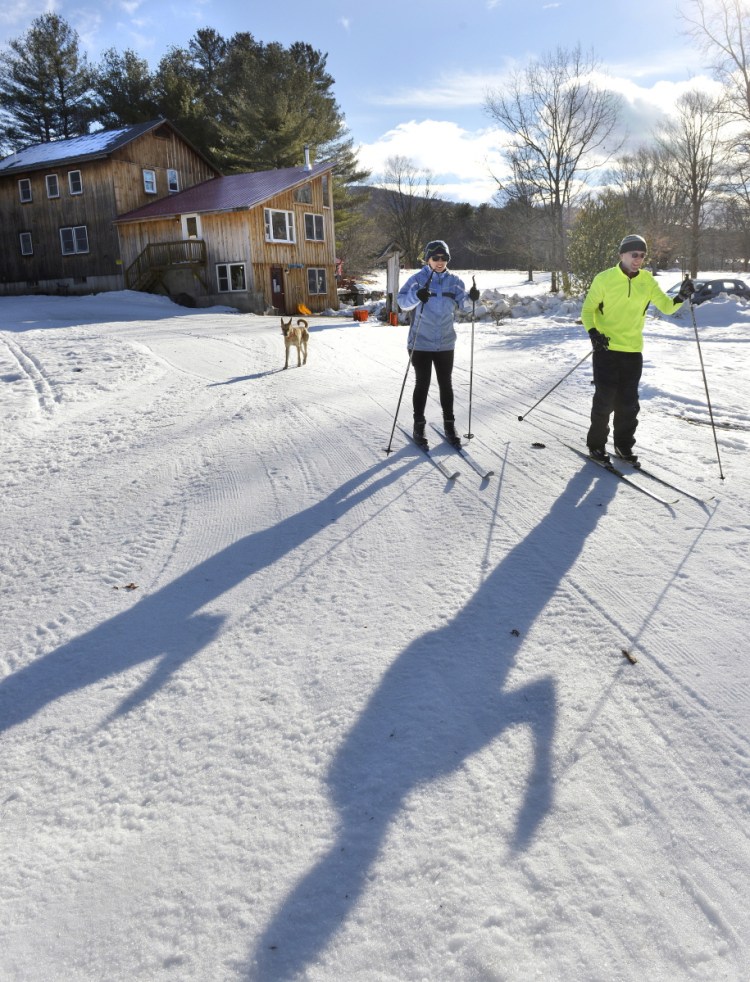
<point>59,200</point>
<point>140,208</point>
<point>254,241</point>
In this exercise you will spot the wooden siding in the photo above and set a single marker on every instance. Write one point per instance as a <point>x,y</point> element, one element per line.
<point>110,187</point>
<point>157,153</point>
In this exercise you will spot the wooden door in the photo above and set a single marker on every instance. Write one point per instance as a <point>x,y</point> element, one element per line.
<point>277,289</point>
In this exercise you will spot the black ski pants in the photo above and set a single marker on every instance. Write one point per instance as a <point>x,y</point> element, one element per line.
<point>616,378</point>
<point>422,362</point>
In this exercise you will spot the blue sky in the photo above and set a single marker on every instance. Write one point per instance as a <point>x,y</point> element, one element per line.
<point>412,78</point>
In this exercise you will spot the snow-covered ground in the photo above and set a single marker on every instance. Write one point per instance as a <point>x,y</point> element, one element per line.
<point>276,705</point>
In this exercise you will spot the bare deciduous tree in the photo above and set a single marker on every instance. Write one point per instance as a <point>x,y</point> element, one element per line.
<point>693,154</point>
<point>410,206</point>
<point>649,199</point>
<point>722,29</point>
<point>562,126</point>
<point>735,220</point>
<point>523,222</point>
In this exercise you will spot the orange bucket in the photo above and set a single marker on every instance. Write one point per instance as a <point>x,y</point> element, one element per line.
<point>361,315</point>
<point>393,318</point>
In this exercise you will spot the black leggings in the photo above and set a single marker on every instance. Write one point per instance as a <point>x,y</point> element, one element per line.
<point>422,362</point>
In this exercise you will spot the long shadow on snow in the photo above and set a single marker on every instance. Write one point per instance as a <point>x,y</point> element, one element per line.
<point>166,625</point>
<point>245,378</point>
<point>440,702</point>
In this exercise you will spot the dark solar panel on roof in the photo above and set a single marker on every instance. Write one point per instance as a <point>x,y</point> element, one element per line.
<point>76,148</point>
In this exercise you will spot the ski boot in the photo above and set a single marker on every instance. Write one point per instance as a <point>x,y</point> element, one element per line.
<point>418,433</point>
<point>449,428</point>
<point>628,456</point>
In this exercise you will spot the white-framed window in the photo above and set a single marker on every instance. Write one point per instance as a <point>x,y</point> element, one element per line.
<point>316,281</point>
<point>279,225</point>
<point>24,189</point>
<point>149,181</point>
<point>27,246</point>
<point>231,277</point>
<point>75,182</point>
<point>74,239</point>
<point>326,191</point>
<point>191,226</point>
<point>303,195</point>
<point>53,186</point>
<point>314,227</point>
<point>173,180</point>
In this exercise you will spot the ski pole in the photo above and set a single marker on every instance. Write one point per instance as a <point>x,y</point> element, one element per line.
<point>523,417</point>
<point>705,385</point>
<point>406,373</point>
<point>470,435</point>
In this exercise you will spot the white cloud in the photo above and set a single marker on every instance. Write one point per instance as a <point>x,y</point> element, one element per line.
<point>19,13</point>
<point>462,162</point>
<point>646,108</point>
<point>470,89</point>
<point>346,24</point>
<point>662,95</point>
<point>459,89</point>
<point>666,94</point>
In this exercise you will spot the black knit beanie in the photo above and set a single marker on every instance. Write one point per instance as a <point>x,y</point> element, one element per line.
<point>633,243</point>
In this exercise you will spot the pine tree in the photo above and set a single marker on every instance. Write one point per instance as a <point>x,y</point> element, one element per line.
<point>123,86</point>
<point>179,96</point>
<point>45,84</point>
<point>349,197</point>
<point>275,101</point>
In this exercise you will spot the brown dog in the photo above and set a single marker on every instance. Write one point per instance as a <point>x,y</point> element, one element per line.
<point>295,337</point>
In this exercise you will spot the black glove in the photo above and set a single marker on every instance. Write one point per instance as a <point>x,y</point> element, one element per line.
<point>423,294</point>
<point>687,289</point>
<point>599,341</point>
<point>474,294</point>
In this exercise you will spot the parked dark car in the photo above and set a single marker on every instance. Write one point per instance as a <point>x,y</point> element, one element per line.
<point>710,289</point>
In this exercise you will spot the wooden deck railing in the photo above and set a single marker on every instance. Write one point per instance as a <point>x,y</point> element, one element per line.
<point>160,256</point>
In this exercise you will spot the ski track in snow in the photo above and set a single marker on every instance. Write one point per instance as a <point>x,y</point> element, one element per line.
<point>352,721</point>
<point>29,368</point>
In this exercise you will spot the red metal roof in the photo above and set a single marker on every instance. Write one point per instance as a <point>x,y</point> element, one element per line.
<point>235,192</point>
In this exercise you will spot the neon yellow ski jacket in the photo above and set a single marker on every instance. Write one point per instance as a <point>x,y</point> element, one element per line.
<point>616,305</point>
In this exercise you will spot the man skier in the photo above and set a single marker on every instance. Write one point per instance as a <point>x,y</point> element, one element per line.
<point>614,313</point>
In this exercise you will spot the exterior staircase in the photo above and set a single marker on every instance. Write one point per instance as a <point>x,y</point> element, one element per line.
<point>158,258</point>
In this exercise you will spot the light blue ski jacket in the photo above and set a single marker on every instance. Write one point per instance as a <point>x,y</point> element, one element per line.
<point>432,326</point>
